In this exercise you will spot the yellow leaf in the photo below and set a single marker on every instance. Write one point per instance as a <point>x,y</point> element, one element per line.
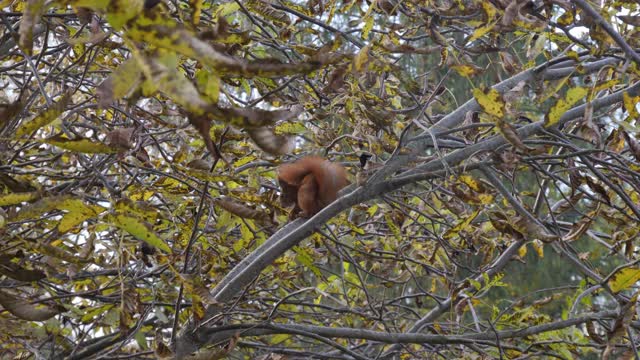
<point>630,104</point>
<point>122,81</point>
<point>490,101</point>
<point>196,8</point>
<point>538,246</point>
<point>624,279</point>
<point>290,128</point>
<point>17,198</point>
<point>78,212</point>
<point>305,257</point>
<point>471,182</point>
<point>210,83</point>
<point>551,91</point>
<point>522,252</point>
<point>121,11</point>
<point>392,225</point>
<point>92,4</point>
<point>355,229</point>
<point>489,9</point>
<point>566,18</point>
<point>460,226</point>
<point>563,105</point>
<point>465,70</point>
<point>361,58</point>
<point>139,229</point>
<point>226,9</point>
<point>44,118</point>
<point>80,145</point>
<point>607,85</point>
<point>485,199</point>
<point>38,208</point>
<point>481,31</point>
<point>366,29</point>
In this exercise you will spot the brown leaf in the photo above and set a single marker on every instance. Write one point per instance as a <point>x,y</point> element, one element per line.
<point>593,334</point>
<point>268,141</point>
<point>336,80</point>
<point>512,12</point>
<point>578,229</point>
<point>629,19</point>
<point>634,146</point>
<point>589,129</point>
<point>599,189</point>
<point>200,164</point>
<point>509,132</point>
<point>14,185</point>
<point>254,118</point>
<point>9,111</point>
<point>142,155</point>
<point>17,272</point>
<point>239,209</point>
<point>31,15</point>
<point>203,125</point>
<point>84,14</point>
<point>509,63</point>
<point>161,350</point>
<point>121,139</point>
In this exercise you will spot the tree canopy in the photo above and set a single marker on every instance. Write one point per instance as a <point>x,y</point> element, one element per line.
<point>494,202</point>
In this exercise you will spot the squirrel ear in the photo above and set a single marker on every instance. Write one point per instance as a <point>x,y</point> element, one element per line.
<point>289,194</point>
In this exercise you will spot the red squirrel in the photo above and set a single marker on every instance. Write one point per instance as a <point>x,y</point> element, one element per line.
<point>310,184</point>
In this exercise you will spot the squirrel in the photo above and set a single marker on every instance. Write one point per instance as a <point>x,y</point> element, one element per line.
<point>310,184</point>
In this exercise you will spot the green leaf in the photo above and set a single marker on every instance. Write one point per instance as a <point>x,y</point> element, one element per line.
<point>304,257</point>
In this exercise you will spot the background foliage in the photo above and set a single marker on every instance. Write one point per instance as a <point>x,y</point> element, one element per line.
<point>496,218</point>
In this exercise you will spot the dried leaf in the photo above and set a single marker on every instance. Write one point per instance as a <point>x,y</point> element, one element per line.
<point>268,141</point>
<point>121,139</point>
<point>509,132</point>
<point>32,12</point>
<point>240,209</point>
<point>17,272</point>
<point>25,310</point>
